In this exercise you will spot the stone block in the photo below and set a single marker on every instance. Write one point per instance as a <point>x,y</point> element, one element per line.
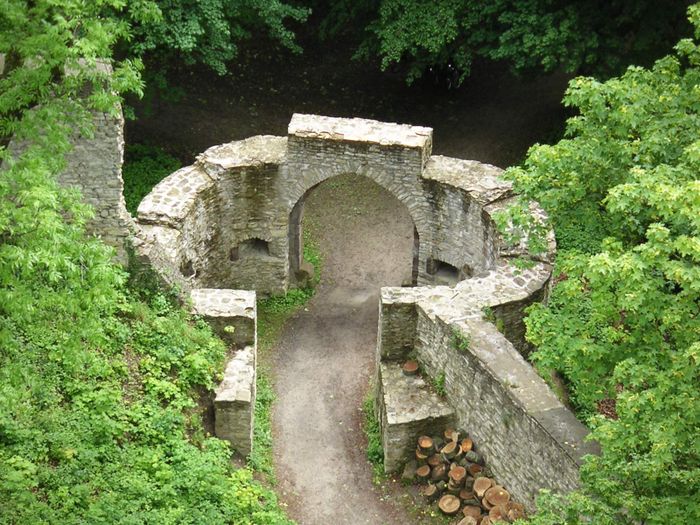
<point>231,313</point>
<point>407,408</point>
<point>234,404</point>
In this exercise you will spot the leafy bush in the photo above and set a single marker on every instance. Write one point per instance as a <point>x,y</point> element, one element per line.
<point>622,325</point>
<point>144,167</point>
<point>98,412</point>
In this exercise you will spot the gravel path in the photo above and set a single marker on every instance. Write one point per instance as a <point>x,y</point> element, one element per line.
<point>325,359</point>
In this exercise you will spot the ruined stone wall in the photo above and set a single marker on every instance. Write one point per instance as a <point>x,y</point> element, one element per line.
<point>194,223</point>
<point>528,438</point>
<point>233,316</point>
<point>94,167</point>
<point>233,220</point>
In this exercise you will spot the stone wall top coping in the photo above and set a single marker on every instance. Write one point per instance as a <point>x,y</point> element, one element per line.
<point>223,302</point>
<point>482,181</point>
<point>525,387</point>
<point>409,398</point>
<point>360,130</point>
<point>254,151</point>
<point>467,299</point>
<point>170,201</point>
<point>239,378</point>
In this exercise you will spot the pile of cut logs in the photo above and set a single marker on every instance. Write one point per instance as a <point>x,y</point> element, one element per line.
<point>453,474</point>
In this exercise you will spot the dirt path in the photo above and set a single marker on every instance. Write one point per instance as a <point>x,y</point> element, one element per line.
<point>325,359</point>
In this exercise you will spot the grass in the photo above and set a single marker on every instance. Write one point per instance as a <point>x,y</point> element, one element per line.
<point>375,452</point>
<point>460,340</point>
<point>439,384</point>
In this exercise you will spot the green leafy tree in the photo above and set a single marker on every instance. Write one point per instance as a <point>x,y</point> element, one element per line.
<point>209,31</point>
<point>623,322</point>
<point>528,34</point>
<point>98,418</point>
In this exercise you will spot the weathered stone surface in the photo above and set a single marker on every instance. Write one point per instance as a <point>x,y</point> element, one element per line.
<point>94,167</point>
<point>360,130</point>
<point>407,407</point>
<point>231,313</point>
<point>233,220</point>
<point>235,401</point>
<point>529,439</point>
<point>254,190</point>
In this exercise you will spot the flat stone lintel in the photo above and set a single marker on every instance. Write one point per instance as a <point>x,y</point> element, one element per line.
<point>360,130</point>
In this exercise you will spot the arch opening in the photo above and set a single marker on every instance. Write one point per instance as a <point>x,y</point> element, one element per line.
<point>362,229</point>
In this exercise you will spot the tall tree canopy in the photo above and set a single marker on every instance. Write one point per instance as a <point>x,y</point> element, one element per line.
<point>529,34</point>
<point>209,31</point>
<point>623,322</point>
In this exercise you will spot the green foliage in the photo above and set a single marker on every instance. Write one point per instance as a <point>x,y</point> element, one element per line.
<point>208,32</point>
<point>260,458</point>
<point>312,254</point>
<point>144,167</point>
<point>533,34</point>
<point>623,320</point>
<point>439,383</point>
<point>375,452</point>
<point>460,340</point>
<point>98,416</point>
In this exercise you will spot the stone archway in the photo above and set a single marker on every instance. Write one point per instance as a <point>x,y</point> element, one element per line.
<point>296,237</point>
<point>247,193</point>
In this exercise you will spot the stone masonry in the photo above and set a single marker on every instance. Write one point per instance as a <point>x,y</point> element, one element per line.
<point>94,167</point>
<point>232,220</point>
<point>235,401</point>
<point>233,316</point>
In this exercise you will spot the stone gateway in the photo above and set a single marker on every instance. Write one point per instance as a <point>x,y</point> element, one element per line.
<point>231,223</point>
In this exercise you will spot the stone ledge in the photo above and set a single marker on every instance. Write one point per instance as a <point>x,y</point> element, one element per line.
<point>407,407</point>
<point>360,130</point>
<point>227,309</point>
<point>483,182</point>
<point>251,152</point>
<point>171,200</point>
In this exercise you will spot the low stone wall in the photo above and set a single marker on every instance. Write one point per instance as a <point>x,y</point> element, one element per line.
<point>231,313</point>
<point>528,438</point>
<point>407,408</point>
<point>233,316</point>
<point>234,404</point>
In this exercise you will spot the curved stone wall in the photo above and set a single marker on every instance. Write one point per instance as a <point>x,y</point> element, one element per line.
<point>233,220</point>
<point>194,223</point>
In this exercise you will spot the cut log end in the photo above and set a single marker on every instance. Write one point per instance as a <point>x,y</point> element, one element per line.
<point>449,504</point>
<point>497,495</point>
<point>466,444</point>
<point>481,485</point>
<point>472,510</point>
<point>410,368</point>
<point>423,472</point>
<point>425,444</point>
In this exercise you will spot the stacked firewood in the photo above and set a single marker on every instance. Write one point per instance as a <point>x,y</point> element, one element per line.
<point>453,475</point>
